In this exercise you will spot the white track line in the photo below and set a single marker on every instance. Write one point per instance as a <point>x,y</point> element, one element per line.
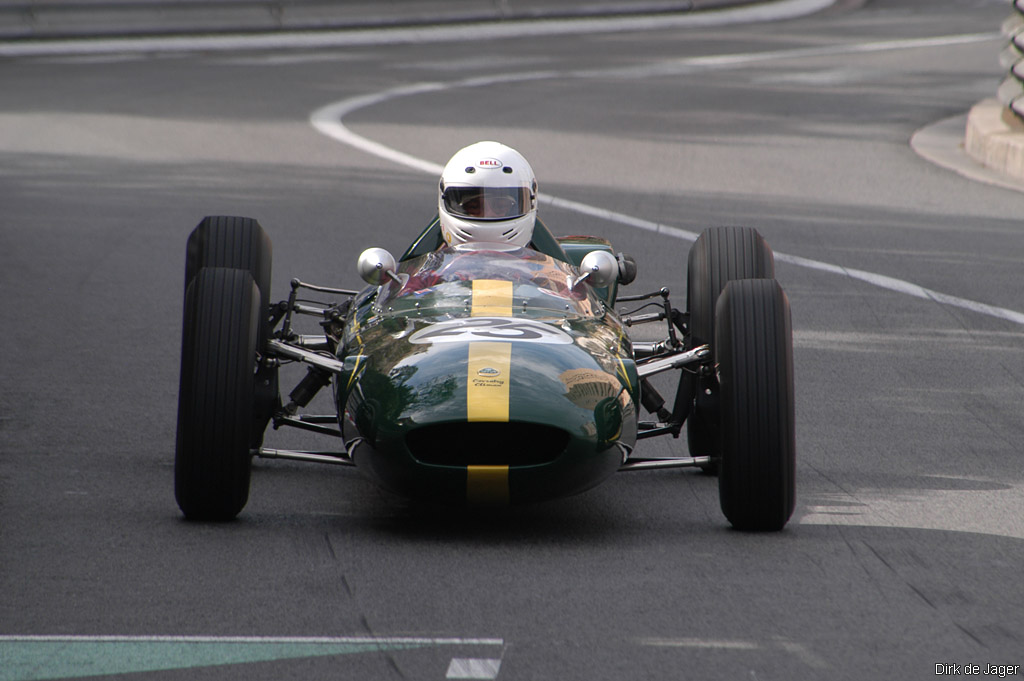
<point>473,668</point>
<point>329,120</point>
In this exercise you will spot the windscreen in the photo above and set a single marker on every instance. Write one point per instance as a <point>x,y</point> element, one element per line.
<point>458,281</point>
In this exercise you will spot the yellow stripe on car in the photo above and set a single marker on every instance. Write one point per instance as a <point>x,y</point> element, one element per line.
<point>487,381</point>
<point>492,298</point>
<point>625,374</point>
<point>487,485</point>
<point>487,388</point>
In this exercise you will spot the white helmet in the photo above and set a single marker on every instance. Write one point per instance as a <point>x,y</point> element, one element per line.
<point>488,193</point>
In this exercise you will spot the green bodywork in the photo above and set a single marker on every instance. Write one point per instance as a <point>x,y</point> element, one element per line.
<point>409,394</point>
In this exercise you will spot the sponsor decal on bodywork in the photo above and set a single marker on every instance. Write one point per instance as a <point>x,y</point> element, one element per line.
<point>487,386</point>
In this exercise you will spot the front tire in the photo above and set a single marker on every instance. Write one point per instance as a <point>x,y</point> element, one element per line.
<point>754,355</point>
<point>216,394</point>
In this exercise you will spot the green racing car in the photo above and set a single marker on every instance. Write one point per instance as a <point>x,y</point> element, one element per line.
<point>488,374</point>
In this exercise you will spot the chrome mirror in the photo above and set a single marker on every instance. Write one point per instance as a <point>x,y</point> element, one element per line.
<point>599,269</point>
<point>375,264</point>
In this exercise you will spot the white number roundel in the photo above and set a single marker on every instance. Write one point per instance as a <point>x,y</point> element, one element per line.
<point>491,328</point>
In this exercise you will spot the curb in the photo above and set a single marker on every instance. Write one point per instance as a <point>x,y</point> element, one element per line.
<point>994,137</point>
<point>75,19</point>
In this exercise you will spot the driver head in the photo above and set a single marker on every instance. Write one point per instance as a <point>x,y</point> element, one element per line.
<point>487,193</point>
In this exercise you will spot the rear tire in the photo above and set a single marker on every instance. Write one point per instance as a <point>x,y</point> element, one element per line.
<point>216,394</point>
<point>720,255</point>
<point>754,354</point>
<point>235,242</point>
<point>240,243</point>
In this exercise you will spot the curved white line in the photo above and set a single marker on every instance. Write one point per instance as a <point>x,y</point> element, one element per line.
<point>329,121</point>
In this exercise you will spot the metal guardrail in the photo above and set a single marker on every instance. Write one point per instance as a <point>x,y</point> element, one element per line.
<point>1011,90</point>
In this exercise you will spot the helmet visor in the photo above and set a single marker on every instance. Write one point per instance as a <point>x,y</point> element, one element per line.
<point>488,203</point>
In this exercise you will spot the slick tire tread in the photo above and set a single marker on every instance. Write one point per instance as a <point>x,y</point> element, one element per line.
<point>754,354</point>
<point>216,393</point>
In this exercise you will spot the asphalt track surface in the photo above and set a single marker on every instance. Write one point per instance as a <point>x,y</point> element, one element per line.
<point>906,547</point>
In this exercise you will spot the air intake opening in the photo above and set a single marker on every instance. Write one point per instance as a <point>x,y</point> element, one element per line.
<point>486,444</point>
